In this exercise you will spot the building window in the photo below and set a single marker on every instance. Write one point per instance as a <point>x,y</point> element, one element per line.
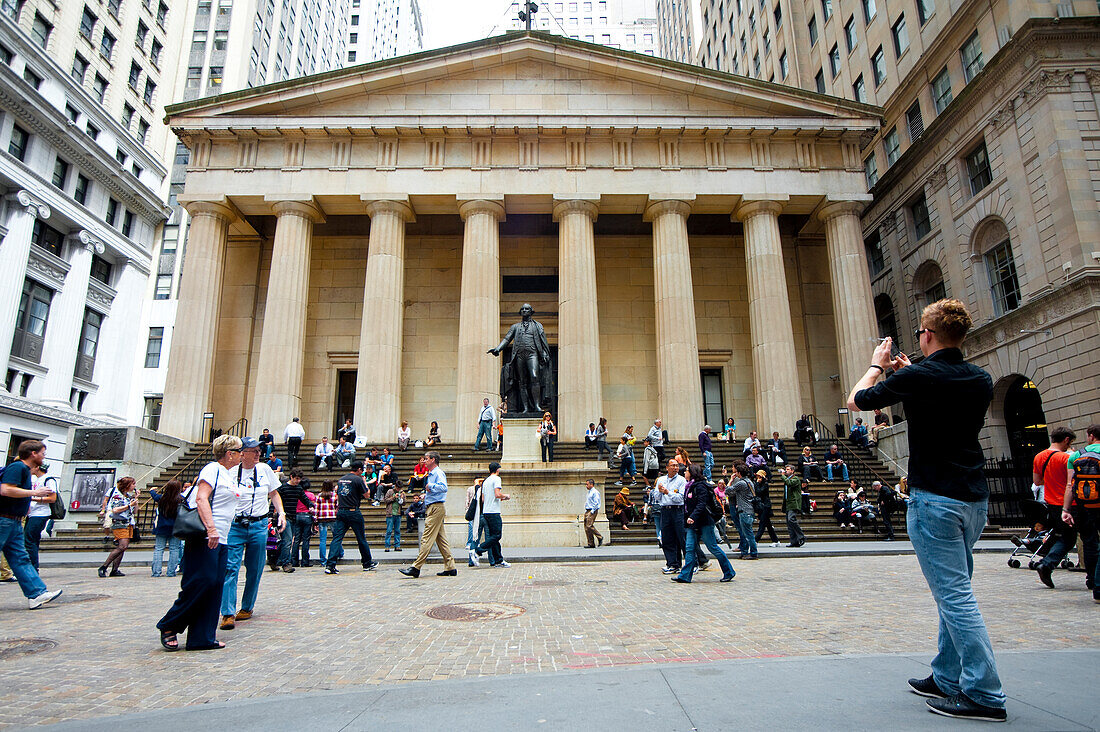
<point>164,287</point>
<point>80,193</point>
<point>925,9</point>
<point>113,6</point>
<point>859,90</point>
<point>194,77</point>
<point>20,141</point>
<point>941,91</point>
<point>834,60</point>
<point>151,421</point>
<point>47,237</point>
<point>162,13</point>
<point>878,66</point>
<point>914,121</point>
<point>869,10</point>
<point>91,130</point>
<point>756,65</point>
<point>351,57</point>
<point>71,113</point>
<point>353,38</point>
<point>142,34</point>
<point>215,79</point>
<point>101,269</point>
<point>872,245</point>
<point>198,42</point>
<point>12,8</point>
<point>892,143</point>
<point>150,90</point>
<point>183,155</point>
<point>87,23</point>
<point>31,78</point>
<point>813,30</point>
<point>152,348</point>
<point>1002,278</point>
<point>99,89</point>
<point>80,69</point>
<point>41,30</point>
<point>89,344</point>
<point>128,223</point>
<point>884,316</point>
<point>901,36</point>
<point>112,211</point>
<point>60,173</point>
<point>30,324</point>
<point>870,170</point>
<point>778,15</point>
<point>135,76</point>
<point>154,52</point>
<point>850,39</point>
<point>977,169</point>
<point>221,40</point>
<point>106,45</point>
<point>170,239</point>
<point>971,54</point>
<point>819,81</point>
<point>355,20</point>
<point>767,41</point>
<point>142,130</point>
<point>922,219</point>
<point>827,9</point>
<point>784,66</point>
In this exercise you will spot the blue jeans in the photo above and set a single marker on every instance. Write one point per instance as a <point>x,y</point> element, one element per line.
<point>286,543</point>
<point>484,428</point>
<point>303,526</point>
<point>250,544</point>
<point>843,467</point>
<point>14,546</point>
<point>393,530</point>
<point>627,466</point>
<point>708,463</point>
<point>32,535</point>
<point>748,539</point>
<point>322,539</point>
<point>471,540</point>
<point>943,531</point>
<point>175,549</point>
<point>703,534</point>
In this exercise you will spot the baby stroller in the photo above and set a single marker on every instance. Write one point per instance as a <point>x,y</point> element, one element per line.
<point>273,546</point>
<point>1039,538</point>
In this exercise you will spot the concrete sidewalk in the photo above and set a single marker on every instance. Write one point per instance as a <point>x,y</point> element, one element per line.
<point>143,555</point>
<point>1049,690</point>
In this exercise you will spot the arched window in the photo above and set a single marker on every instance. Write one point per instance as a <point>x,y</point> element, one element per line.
<point>928,284</point>
<point>884,314</point>
<point>992,243</point>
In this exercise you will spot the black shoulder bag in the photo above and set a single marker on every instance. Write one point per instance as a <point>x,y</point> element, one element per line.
<point>189,524</point>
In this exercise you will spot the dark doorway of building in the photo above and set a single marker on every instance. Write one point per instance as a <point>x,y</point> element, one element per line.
<point>345,399</point>
<point>713,407</point>
<point>1025,421</point>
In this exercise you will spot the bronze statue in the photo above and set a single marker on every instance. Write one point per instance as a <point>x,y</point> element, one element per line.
<point>525,380</point>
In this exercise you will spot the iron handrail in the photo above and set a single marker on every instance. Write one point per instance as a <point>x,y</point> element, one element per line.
<point>820,428</point>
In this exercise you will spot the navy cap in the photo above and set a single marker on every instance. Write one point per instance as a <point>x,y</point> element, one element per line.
<point>249,443</point>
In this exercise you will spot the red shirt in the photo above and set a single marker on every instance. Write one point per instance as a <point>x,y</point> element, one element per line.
<point>1054,477</point>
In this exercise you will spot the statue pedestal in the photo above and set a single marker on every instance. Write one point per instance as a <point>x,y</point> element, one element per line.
<point>521,440</point>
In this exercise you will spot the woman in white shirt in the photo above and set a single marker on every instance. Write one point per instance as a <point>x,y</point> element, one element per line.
<point>404,434</point>
<point>214,495</point>
<point>39,514</point>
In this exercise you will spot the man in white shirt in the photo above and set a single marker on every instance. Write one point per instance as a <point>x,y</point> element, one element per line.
<point>656,437</point>
<point>257,484</point>
<point>750,442</point>
<point>670,490</point>
<point>39,513</point>
<point>321,455</point>
<point>591,511</point>
<point>344,453</point>
<point>492,495</point>
<point>293,436</point>
<point>485,419</point>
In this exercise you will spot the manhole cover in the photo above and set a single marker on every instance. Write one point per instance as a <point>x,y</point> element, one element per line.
<point>548,583</point>
<point>25,646</point>
<point>467,611</point>
<point>85,597</point>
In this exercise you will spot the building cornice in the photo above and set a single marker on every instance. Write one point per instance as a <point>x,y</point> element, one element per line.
<point>26,408</point>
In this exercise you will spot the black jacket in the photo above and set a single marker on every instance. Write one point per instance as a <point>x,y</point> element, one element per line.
<point>291,494</point>
<point>695,503</point>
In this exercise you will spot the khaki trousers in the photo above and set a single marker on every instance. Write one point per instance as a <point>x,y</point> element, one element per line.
<point>434,533</point>
<point>590,528</point>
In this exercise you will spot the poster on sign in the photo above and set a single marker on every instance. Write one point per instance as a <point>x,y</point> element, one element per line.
<point>90,486</point>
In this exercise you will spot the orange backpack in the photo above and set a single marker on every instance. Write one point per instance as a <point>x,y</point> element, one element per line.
<point>1086,479</point>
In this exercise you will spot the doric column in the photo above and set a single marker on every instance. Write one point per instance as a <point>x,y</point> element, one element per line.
<point>378,381</point>
<point>190,374</point>
<point>117,399</point>
<point>477,373</point>
<point>278,395</point>
<point>580,387</point>
<point>67,320</point>
<point>778,396</point>
<point>679,387</point>
<point>23,210</point>
<point>853,304</point>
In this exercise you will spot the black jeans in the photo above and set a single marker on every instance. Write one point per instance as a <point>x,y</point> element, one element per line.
<point>765,517</point>
<point>293,445</point>
<point>795,531</point>
<point>199,603</point>
<point>348,520</point>
<point>299,553</point>
<point>886,522</point>
<point>673,535</point>
<point>547,451</point>
<point>493,530</point>
<point>1066,538</point>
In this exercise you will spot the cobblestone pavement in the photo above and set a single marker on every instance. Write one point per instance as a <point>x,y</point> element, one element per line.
<point>316,632</point>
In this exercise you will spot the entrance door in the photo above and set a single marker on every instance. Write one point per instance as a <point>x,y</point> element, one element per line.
<point>713,408</point>
<point>1025,421</point>
<point>345,400</point>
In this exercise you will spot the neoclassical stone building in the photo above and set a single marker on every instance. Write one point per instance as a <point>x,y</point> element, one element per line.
<point>690,240</point>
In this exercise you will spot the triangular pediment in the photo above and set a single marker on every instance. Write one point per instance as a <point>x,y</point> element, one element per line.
<point>523,79</point>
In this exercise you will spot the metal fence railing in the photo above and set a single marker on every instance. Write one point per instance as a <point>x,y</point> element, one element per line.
<point>1009,484</point>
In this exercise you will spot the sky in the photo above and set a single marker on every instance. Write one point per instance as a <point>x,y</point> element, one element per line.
<point>447,22</point>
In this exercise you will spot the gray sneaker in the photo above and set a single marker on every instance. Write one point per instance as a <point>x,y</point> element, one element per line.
<point>36,602</point>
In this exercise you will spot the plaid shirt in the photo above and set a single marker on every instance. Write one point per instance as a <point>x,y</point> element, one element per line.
<point>326,508</point>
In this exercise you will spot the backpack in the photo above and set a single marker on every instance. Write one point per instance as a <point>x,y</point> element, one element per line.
<point>57,508</point>
<point>1086,480</point>
<point>714,506</point>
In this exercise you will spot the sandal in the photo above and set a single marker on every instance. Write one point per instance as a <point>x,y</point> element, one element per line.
<point>169,641</point>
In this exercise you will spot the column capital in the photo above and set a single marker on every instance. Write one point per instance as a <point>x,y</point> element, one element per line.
<point>470,207</point>
<point>32,203</point>
<point>832,209</point>
<point>89,241</point>
<point>756,205</point>
<point>658,207</point>
<point>218,207</point>
<point>590,207</point>
<point>306,208</point>
<point>397,207</point>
